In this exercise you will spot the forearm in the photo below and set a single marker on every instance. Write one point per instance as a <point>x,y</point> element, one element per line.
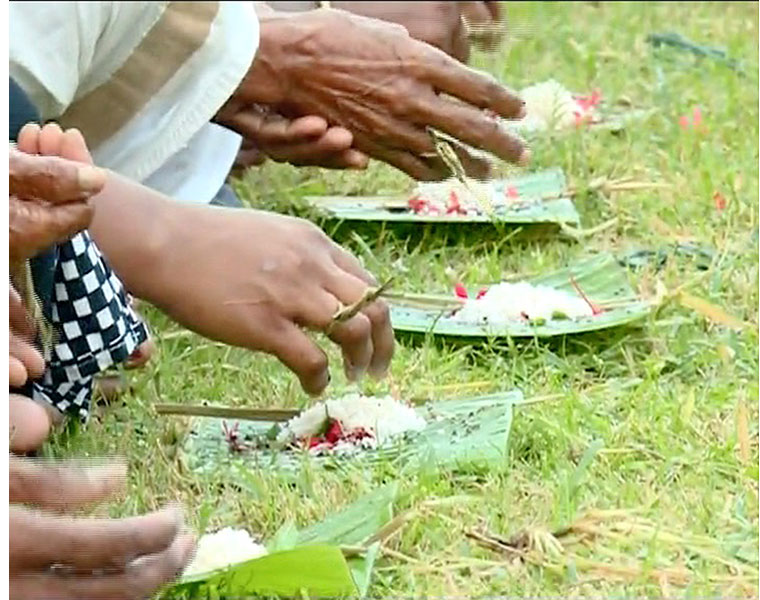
<point>133,227</point>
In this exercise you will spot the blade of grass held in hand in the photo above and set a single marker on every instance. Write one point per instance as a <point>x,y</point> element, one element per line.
<point>348,312</point>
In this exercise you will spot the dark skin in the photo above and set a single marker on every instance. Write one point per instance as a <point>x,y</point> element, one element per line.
<point>114,559</point>
<point>378,83</point>
<point>49,201</point>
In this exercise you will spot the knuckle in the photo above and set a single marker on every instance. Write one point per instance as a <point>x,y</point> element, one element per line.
<point>314,364</point>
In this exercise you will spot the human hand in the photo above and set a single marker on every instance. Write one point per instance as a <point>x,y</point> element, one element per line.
<point>97,559</point>
<point>48,201</point>
<point>254,279</point>
<point>378,83</point>
<point>305,141</point>
<point>24,359</point>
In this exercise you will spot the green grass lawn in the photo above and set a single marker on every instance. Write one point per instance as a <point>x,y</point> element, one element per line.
<point>660,419</point>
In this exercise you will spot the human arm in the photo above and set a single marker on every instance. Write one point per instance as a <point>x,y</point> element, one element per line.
<point>247,278</point>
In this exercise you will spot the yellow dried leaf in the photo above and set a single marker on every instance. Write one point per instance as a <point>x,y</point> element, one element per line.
<point>710,311</point>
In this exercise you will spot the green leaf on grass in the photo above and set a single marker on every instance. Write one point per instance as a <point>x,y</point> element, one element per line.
<point>319,570</point>
<point>356,523</point>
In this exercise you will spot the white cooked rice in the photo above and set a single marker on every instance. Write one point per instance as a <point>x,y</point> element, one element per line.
<point>223,548</point>
<point>382,417</point>
<point>548,104</point>
<point>507,302</point>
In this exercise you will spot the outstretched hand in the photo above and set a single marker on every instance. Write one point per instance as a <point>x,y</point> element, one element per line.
<point>378,83</point>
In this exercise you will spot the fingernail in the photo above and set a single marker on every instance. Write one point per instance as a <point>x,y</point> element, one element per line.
<point>525,157</point>
<point>90,179</point>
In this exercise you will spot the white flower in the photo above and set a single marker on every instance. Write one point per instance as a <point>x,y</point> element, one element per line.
<point>223,548</point>
<point>506,302</point>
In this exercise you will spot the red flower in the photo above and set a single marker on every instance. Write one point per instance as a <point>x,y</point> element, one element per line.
<point>720,201</point>
<point>695,121</point>
<point>460,291</point>
<point>511,192</point>
<point>454,206</point>
<point>482,292</point>
<point>334,432</point>
<point>417,204</point>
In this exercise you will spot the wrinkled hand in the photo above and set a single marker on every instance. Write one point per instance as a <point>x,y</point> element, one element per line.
<point>49,201</point>
<point>254,279</point>
<point>24,360</point>
<point>306,141</point>
<point>113,559</point>
<point>378,83</point>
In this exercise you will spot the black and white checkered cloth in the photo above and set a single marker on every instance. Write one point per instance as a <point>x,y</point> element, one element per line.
<point>95,325</point>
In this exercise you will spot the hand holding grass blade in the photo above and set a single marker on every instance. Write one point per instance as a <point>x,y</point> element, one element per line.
<point>350,311</point>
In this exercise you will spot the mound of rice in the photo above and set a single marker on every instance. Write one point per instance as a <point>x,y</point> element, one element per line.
<point>548,105</point>
<point>222,549</point>
<point>506,302</point>
<point>350,423</point>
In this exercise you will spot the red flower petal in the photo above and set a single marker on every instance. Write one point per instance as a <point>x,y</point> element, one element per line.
<point>482,292</point>
<point>720,201</point>
<point>417,204</point>
<point>684,122</point>
<point>334,432</point>
<point>697,119</point>
<point>460,291</point>
<point>511,192</point>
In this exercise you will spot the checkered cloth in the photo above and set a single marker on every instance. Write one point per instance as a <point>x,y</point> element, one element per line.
<point>95,325</point>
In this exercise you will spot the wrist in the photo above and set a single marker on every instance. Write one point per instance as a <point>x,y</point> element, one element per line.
<point>283,39</point>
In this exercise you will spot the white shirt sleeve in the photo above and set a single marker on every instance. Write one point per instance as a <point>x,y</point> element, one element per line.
<point>79,45</point>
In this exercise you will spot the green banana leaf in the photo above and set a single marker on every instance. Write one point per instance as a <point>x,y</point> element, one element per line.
<point>544,192</point>
<point>601,278</point>
<point>309,560</point>
<point>318,570</point>
<point>459,433</point>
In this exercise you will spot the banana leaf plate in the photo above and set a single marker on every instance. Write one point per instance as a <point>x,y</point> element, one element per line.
<point>544,194</point>
<point>601,278</point>
<point>459,433</point>
<point>311,561</point>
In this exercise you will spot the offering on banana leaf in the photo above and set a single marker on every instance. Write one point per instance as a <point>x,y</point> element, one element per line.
<point>550,106</point>
<point>349,424</point>
<point>454,197</point>
<point>504,302</point>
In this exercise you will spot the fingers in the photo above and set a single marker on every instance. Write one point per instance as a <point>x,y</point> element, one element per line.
<point>35,226</point>
<point>87,544</point>
<point>473,127</point>
<point>30,360</point>
<point>28,140</point>
<point>17,374</point>
<point>405,161</point>
<point>61,486</point>
<point>302,356</point>
<point>366,339</point>
<point>52,179</point>
<point>480,89</point>
<point>73,147</point>
<point>20,322</point>
<point>140,580</point>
